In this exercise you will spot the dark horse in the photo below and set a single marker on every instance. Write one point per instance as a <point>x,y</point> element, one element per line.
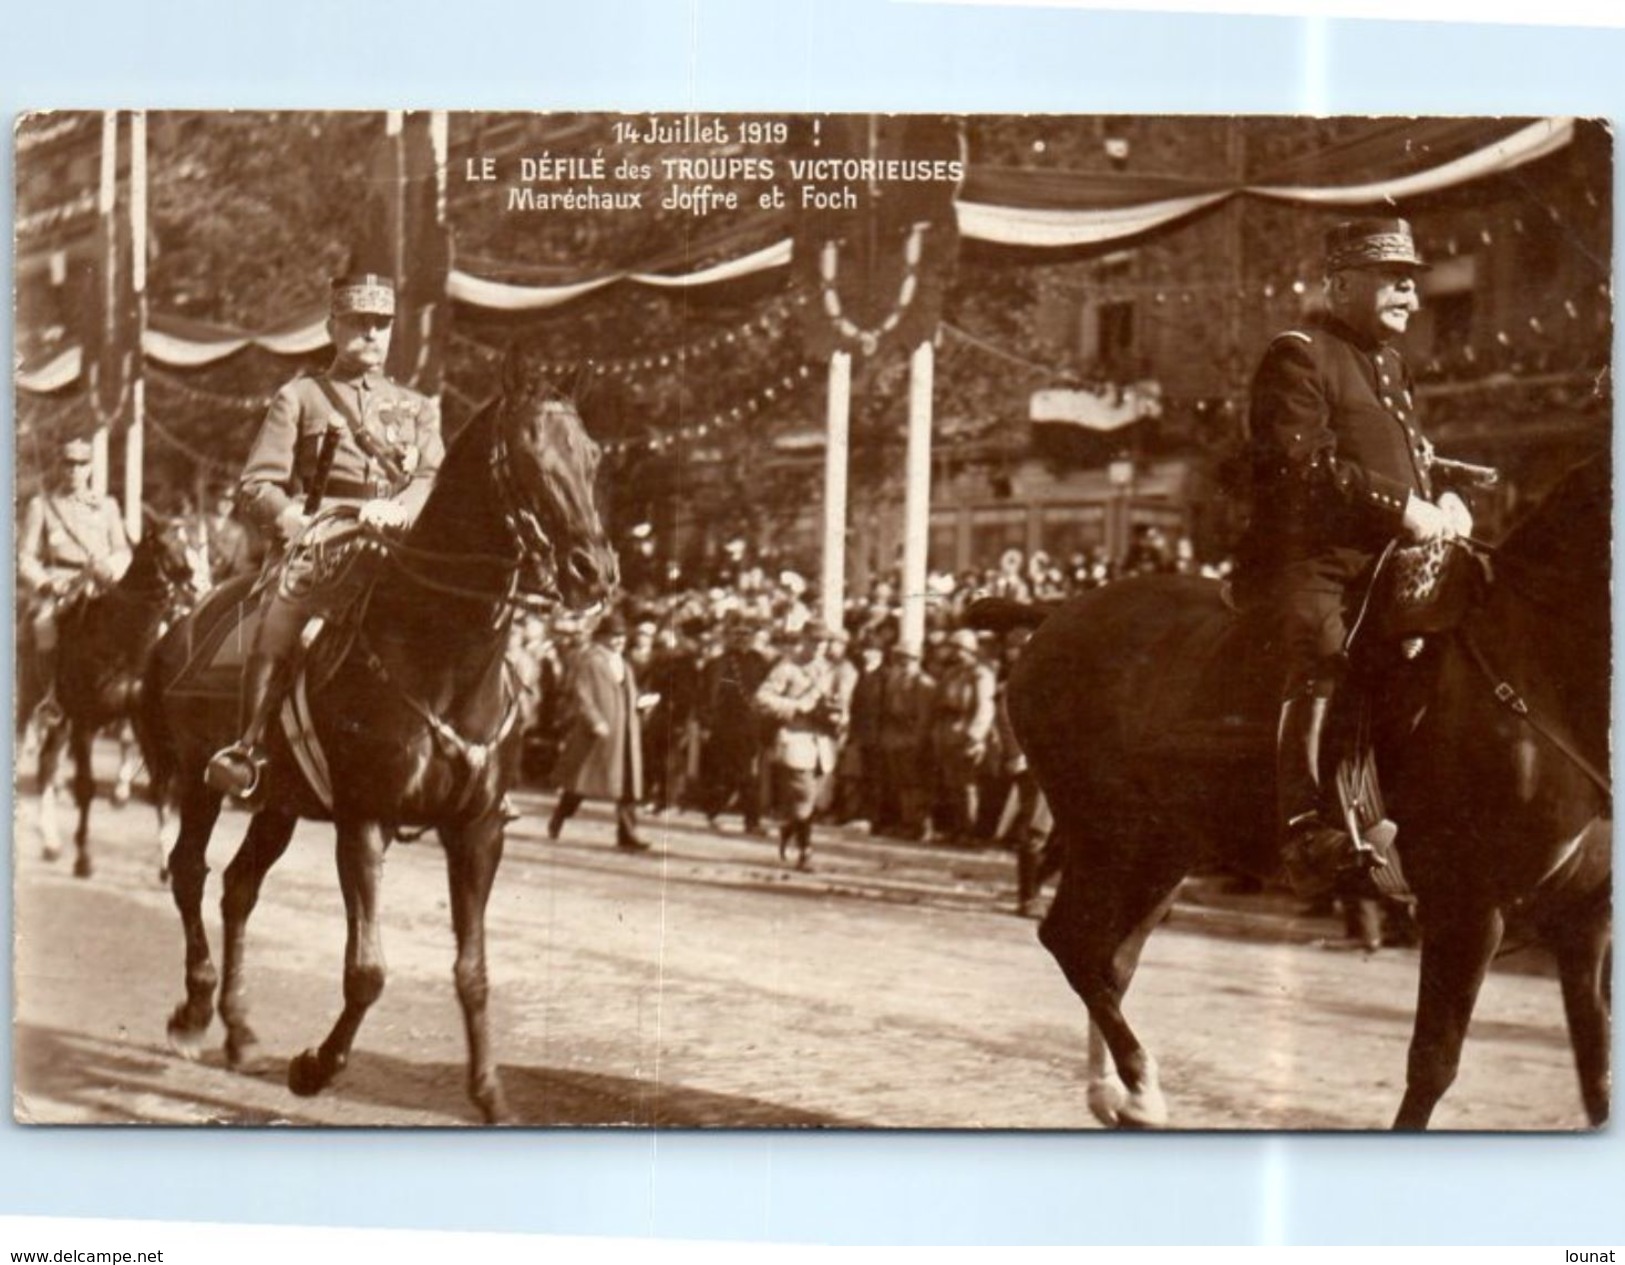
<point>102,645</point>
<point>1146,709</point>
<point>414,708</point>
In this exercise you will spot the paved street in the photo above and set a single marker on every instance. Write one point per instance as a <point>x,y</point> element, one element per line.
<point>703,984</point>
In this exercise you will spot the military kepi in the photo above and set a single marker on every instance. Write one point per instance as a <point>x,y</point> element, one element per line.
<point>363,293</point>
<point>76,452</point>
<point>1371,244</point>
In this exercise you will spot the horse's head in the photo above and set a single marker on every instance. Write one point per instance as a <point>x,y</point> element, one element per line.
<point>550,464</point>
<point>168,556</point>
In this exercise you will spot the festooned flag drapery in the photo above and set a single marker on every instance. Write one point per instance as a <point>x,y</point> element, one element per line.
<point>1023,209</point>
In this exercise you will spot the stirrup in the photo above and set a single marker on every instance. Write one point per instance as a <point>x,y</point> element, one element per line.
<point>237,771</point>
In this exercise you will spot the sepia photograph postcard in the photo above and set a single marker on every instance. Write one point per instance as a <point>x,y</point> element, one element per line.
<point>786,621</point>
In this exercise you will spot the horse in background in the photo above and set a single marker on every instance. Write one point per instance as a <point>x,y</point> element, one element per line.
<point>406,705</point>
<point>103,641</point>
<point>1146,710</point>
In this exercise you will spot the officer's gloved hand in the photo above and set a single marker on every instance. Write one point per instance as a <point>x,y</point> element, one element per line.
<point>1455,509</point>
<point>290,522</point>
<point>384,515</point>
<point>1425,521</point>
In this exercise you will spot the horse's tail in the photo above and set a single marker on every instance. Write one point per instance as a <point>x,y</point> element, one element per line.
<point>1002,614</point>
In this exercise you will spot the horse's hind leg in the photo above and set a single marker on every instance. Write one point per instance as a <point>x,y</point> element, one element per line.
<point>1581,945</point>
<point>472,857</point>
<point>360,853</point>
<point>1457,945</point>
<point>188,870</point>
<point>84,793</point>
<point>1095,929</point>
<point>263,845</point>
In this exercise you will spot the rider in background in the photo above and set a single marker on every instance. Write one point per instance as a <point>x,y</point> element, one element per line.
<point>388,450</point>
<point>72,546</point>
<point>1340,469</point>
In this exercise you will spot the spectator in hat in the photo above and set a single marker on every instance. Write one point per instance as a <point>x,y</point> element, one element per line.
<point>386,450</point>
<point>961,724</point>
<point>801,695</point>
<point>1340,469</point>
<point>602,756</point>
<point>72,545</point>
<point>906,697</point>
<point>732,729</point>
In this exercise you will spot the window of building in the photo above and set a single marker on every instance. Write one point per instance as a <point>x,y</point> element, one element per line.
<point>1115,337</point>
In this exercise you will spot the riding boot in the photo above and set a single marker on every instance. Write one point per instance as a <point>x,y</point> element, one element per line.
<point>804,844</point>
<point>238,770</point>
<point>48,711</point>
<point>1319,853</point>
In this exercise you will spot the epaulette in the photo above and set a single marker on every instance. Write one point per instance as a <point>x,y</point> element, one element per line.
<point>1293,333</point>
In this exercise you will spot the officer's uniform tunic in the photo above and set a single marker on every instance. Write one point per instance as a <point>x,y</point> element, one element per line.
<point>63,534</point>
<point>1337,452</point>
<point>401,426</point>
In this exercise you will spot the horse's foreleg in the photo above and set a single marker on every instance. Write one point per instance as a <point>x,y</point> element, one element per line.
<point>80,738</point>
<point>129,760</point>
<point>188,871</point>
<point>51,739</point>
<point>1457,946</point>
<point>472,857</point>
<point>360,852</point>
<point>1581,945</point>
<point>266,841</point>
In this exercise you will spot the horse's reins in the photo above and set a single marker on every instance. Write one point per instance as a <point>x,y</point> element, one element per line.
<point>529,539</point>
<point>1504,691</point>
<point>1510,698</point>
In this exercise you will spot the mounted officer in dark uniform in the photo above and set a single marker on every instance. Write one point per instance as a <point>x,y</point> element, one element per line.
<point>1340,469</point>
<point>383,442</point>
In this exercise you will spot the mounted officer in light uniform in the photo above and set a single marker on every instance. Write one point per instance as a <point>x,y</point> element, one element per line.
<point>72,546</point>
<point>385,447</point>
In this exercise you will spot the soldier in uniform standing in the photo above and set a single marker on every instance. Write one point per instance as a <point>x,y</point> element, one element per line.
<point>961,725</point>
<point>72,545</point>
<point>1340,469</point>
<point>388,448</point>
<point>803,696</point>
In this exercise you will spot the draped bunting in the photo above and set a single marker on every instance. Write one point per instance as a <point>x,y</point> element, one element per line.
<point>1034,209</point>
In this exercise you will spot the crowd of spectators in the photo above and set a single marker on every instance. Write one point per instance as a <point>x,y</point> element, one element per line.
<point>922,748</point>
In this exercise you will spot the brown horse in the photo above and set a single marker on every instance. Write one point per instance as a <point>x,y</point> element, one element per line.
<point>414,710</point>
<point>102,645</point>
<point>1146,709</point>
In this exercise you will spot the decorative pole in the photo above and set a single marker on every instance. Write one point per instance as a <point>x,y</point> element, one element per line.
<point>106,200</point>
<point>135,435</point>
<point>917,495</point>
<point>837,447</point>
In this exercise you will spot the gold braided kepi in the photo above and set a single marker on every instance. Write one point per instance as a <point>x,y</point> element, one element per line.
<point>1371,244</point>
<point>365,293</point>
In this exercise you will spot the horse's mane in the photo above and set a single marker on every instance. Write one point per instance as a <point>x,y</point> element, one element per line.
<point>1562,550</point>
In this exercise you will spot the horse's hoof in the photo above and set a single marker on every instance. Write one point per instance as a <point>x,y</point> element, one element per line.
<point>186,1040</point>
<point>305,1074</point>
<point>493,1105</point>
<point>1143,1111</point>
<point>244,1055</point>
<point>82,867</point>
<point>1106,1098</point>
